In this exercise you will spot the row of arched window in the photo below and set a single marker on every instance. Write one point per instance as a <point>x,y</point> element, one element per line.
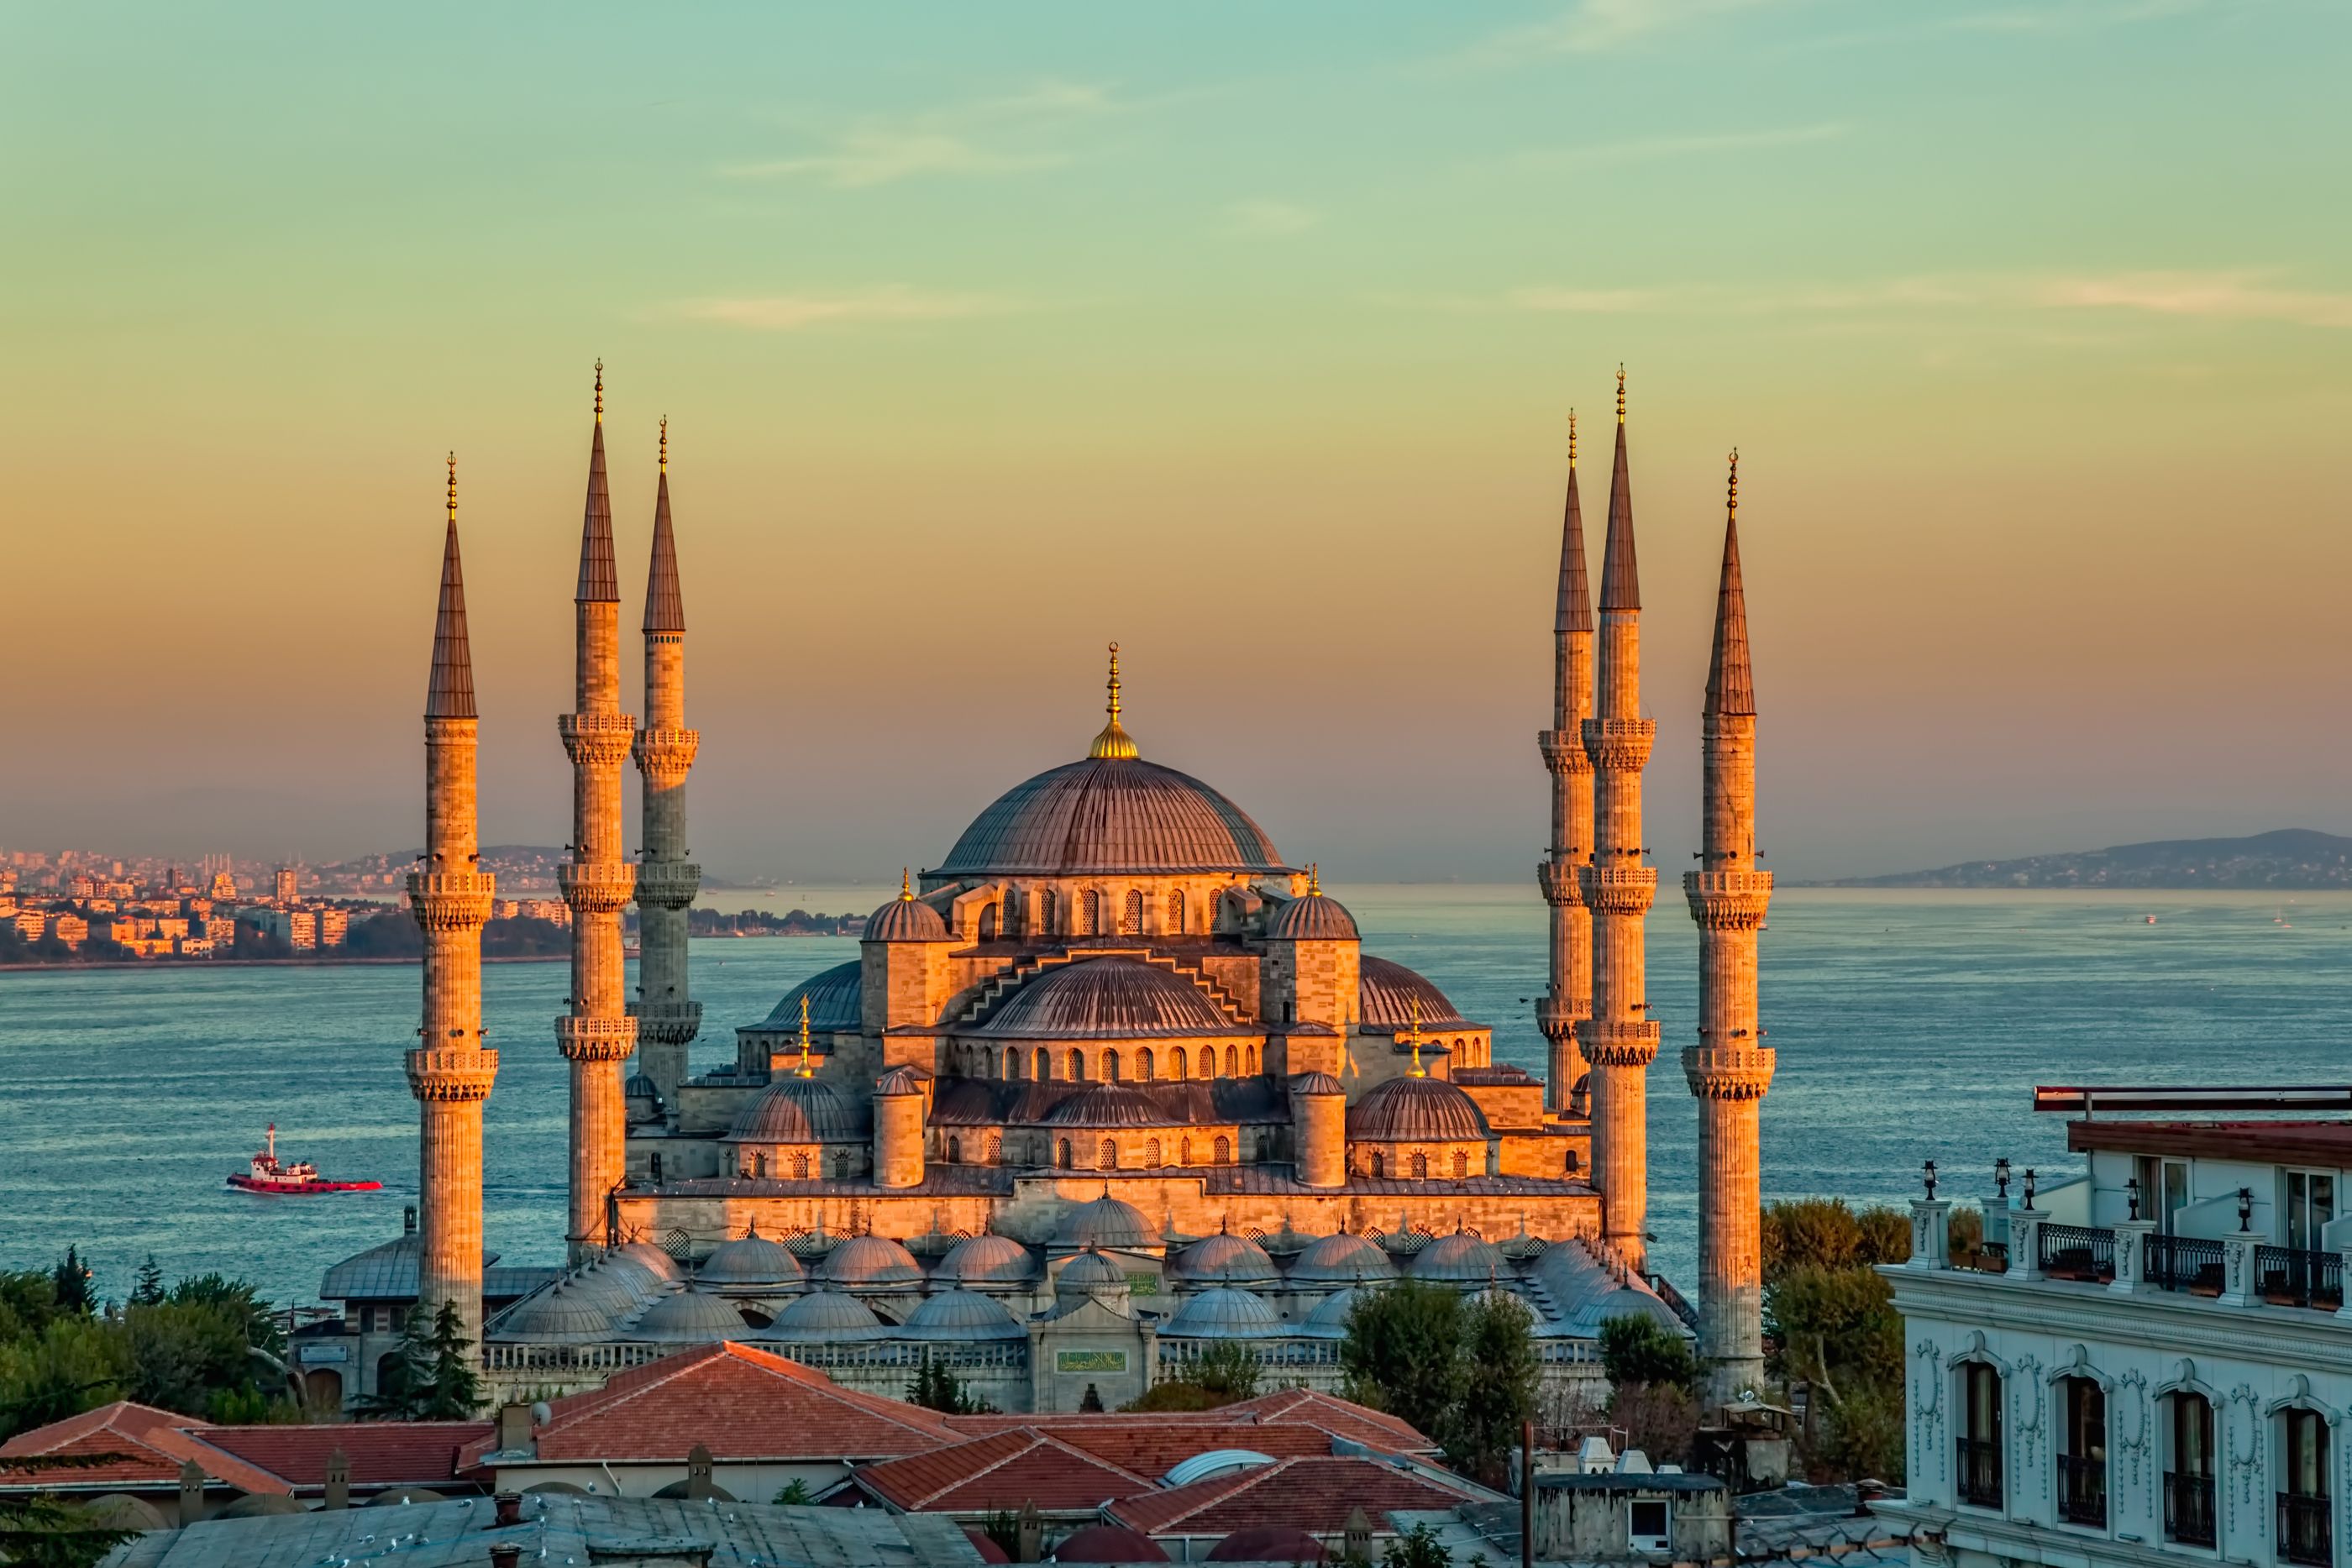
<point>1090,914</point>
<point>802,1165</point>
<point>1416,1165</point>
<point>1106,1156</point>
<point>1106,1063</point>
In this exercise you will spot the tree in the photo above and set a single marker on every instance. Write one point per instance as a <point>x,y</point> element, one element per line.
<point>406,1383</point>
<point>937,1388</point>
<point>1418,1548</point>
<point>1403,1352</point>
<point>238,1299</point>
<point>796,1495</point>
<point>1659,1418</point>
<point>1837,1330</point>
<point>1227,1371</point>
<point>455,1392</point>
<point>70,1366</point>
<point>71,1282</point>
<point>1826,1233</point>
<point>1638,1348</point>
<point>1500,1371</point>
<point>149,1289</point>
<point>181,1351</point>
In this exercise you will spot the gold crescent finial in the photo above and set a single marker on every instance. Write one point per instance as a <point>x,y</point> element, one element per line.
<point>1572,438</point>
<point>905,886</point>
<point>1621,392</point>
<point>665,443</point>
<point>453,489</point>
<point>1731,493</point>
<point>804,1036</point>
<point>599,392</point>
<point>1113,741</point>
<point>1314,880</point>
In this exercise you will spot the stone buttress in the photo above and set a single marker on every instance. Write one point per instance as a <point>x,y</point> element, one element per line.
<point>667,1016</point>
<point>597,1035</point>
<point>1569,998</point>
<point>451,1071</point>
<point>1730,1068</point>
<point>1619,1041</point>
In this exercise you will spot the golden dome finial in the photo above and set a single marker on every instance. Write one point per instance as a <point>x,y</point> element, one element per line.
<point>906,885</point>
<point>1314,880</point>
<point>1416,1037</point>
<point>1731,492</point>
<point>1572,438</point>
<point>665,443</point>
<point>1620,391</point>
<point>803,1069</point>
<point>599,392</point>
<point>1114,741</point>
<point>453,489</point>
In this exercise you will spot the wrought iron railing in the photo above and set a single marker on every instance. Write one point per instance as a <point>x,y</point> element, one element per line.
<point>1980,1468</point>
<point>2191,1263</point>
<point>2077,1252</point>
<point>2306,1530</point>
<point>2299,1277</point>
<point>2083,1490</point>
<point>2188,1508</point>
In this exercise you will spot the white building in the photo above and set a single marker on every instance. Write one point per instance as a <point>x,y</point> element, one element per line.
<point>2157,1367</point>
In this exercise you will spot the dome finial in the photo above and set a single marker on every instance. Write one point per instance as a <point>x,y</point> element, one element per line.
<point>665,443</point>
<point>1731,492</point>
<point>905,886</point>
<point>1314,880</point>
<point>1114,741</point>
<point>1621,392</point>
<point>803,1070</point>
<point>1416,1037</point>
<point>1571,440</point>
<point>453,489</point>
<point>599,392</point>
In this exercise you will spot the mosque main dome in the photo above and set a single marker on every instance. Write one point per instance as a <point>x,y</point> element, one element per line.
<point>1111,815</point>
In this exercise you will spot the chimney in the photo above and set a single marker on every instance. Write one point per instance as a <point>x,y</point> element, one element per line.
<point>514,1430</point>
<point>408,1219</point>
<point>509,1510</point>
<point>339,1480</point>
<point>1031,1534</point>
<point>697,1473</point>
<point>192,1493</point>
<point>1357,1537</point>
<point>505,1554</point>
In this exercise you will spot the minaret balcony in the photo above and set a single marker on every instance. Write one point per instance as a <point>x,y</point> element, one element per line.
<point>1558,1018</point>
<point>450,1073</point>
<point>1563,751</point>
<point>1559,881</point>
<point>1619,1044</point>
<point>597,739</point>
<point>666,1022</point>
<point>1728,1071</point>
<point>663,755</point>
<point>595,1040</point>
<point>1619,889</point>
<point>668,884</point>
<point>1729,900</point>
<point>1620,745</point>
<point>596,887</point>
<point>451,900</point>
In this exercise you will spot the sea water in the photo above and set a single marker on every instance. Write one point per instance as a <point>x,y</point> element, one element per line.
<point>1909,1025</point>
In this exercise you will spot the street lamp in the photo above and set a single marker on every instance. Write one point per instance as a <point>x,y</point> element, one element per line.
<point>1928,1173</point>
<point>2029,1187</point>
<point>2001,1177</point>
<point>2131,1192</point>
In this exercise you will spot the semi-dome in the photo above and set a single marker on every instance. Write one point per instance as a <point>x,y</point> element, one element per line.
<point>988,1260</point>
<point>1224,1313</point>
<point>1460,1258</point>
<point>905,918</point>
<point>1111,814</point>
<point>1107,999</point>
<point>824,1315</point>
<point>688,1317</point>
<point>835,999</point>
<point>1106,1221</point>
<point>1227,1260</point>
<point>1386,991</point>
<point>1108,1105</point>
<point>795,1110</point>
<point>869,1262</point>
<point>1313,919</point>
<point>1089,1272</point>
<point>958,1315</point>
<point>1416,1110</point>
<point>560,1314</point>
<point>1330,1318</point>
<point>1317,1084</point>
<point>1339,1259</point>
<point>901,1079</point>
<point>752,1260</point>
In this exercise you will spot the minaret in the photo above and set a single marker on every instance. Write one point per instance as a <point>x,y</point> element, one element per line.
<point>1618,1039</point>
<point>1730,1067</point>
<point>597,1035</point>
<point>667,1015</point>
<point>1570,996</point>
<point>450,1072</point>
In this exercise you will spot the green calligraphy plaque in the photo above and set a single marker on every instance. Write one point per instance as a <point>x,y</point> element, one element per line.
<point>1090,1361</point>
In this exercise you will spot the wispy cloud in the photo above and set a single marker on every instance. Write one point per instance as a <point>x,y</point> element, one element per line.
<point>1646,148</point>
<point>1002,135</point>
<point>883,302</point>
<point>2243,295</point>
<point>2071,15</point>
<point>1600,27</point>
<point>1270,219</point>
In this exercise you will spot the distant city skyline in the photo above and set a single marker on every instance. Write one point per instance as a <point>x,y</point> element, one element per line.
<point>1245,338</point>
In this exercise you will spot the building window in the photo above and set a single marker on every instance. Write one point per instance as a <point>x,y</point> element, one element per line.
<point>800,1167</point>
<point>1420,1165</point>
<point>955,1151</point>
<point>1176,912</point>
<point>2083,1460</point>
<point>1232,1063</point>
<point>1106,1157</point>
<point>1151,1154</point>
<point>1648,1525</point>
<point>1253,1059</point>
<point>1225,1150</point>
<point>2310,1205</point>
<point>1460,1165</point>
<point>996,1148</point>
<point>1066,1160</point>
<point>1077,1066</point>
<point>1090,913</point>
<point>1133,923</point>
<point>1379,1165</point>
<point>1110,1067</point>
<point>1980,1438</point>
<point>1044,1065</point>
<point>1186,1154</point>
<point>840,1165</point>
<point>1177,1065</point>
<point>1143,1064</point>
<point>2306,1531</point>
<point>2189,1477</point>
<point>1045,911</point>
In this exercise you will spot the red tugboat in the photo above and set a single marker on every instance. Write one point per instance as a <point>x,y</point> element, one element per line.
<point>301,1176</point>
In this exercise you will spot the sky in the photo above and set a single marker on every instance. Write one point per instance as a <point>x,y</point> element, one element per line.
<point>1245,336</point>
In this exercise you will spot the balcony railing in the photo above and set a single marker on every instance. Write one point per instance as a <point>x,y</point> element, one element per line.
<point>2191,1263</point>
<point>2188,1508</point>
<point>1980,1469</point>
<point>2077,1252</point>
<point>2305,1532</point>
<point>2083,1490</point>
<point>2296,1277</point>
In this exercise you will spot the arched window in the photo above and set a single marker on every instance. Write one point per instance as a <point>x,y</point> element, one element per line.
<point>988,922</point>
<point>1380,1164</point>
<point>1044,1065</point>
<point>840,1165</point>
<point>1045,911</point>
<point>1110,1067</point>
<point>1143,1064</point>
<point>1979,1434</point>
<point>1066,1155</point>
<point>1185,1152</point>
<point>1077,1066</point>
<point>2189,1471</point>
<point>1106,1157</point>
<point>995,1149</point>
<point>1090,913</point>
<point>1133,923</point>
<point>1253,1059</point>
<point>1151,1154</point>
<point>800,1167</point>
<point>1232,1063</point>
<point>1224,1156</point>
<point>1012,1064</point>
<point>759,1167</point>
<point>1574,1164</point>
<point>1461,1164</point>
<point>1176,1064</point>
<point>2083,1453</point>
<point>955,1151</point>
<point>1420,1165</point>
<point>1176,912</point>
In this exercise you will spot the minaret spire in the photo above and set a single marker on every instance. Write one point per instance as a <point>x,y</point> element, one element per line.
<point>450,1072</point>
<point>1730,1067</point>
<point>1568,999</point>
<point>1619,1039</point>
<point>669,1018</point>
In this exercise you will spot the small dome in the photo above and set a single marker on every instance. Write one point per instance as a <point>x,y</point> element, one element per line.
<point>640,1087</point>
<point>1108,1105</point>
<point>1460,1258</point>
<point>1107,1221</point>
<point>624,1286</point>
<point>1089,1272</point>
<point>262,1505</point>
<point>649,1258</point>
<point>1386,991</point>
<point>794,1109</point>
<point>1342,1259</point>
<point>688,1317</point>
<point>1330,1318</point>
<point>824,1315</point>
<point>961,1314</point>
<point>561,1314</point>
<point>1110,1543</point>
<point>988,1260</point>
<point>1416,1110</point>
<point>904,919</point>
<point>1269,1543</point>
<point>870,1262</point>
<point>1226,1259</point>
<point>837,999</point>
<point>1224,1313</point>
<point>898,1082</point>
<point>751,1259</point>
<point>1313,919</point>
<point>1317,1084</point>
<point>1107,999</point>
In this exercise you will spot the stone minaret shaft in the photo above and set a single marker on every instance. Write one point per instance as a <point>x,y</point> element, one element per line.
<point>1618,1039</point>
<point>450,1072</point>
<point>1569,998</point>
<point>667,1015</point>
<point>597,1035</point>
<point>1730,1068</point>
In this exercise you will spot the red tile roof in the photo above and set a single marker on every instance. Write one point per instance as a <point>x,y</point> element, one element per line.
<point>1321,1413</point>
<point>151,1446</point>
<point>740,1402</point>
<point>1340,1417</point>
<point>381,1453</point>
<point>1002,1470</point>
<point>1309,1494</point>
<point>1150,1446</point>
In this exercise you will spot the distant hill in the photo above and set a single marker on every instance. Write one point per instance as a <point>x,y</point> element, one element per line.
<point>2290,859</point>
